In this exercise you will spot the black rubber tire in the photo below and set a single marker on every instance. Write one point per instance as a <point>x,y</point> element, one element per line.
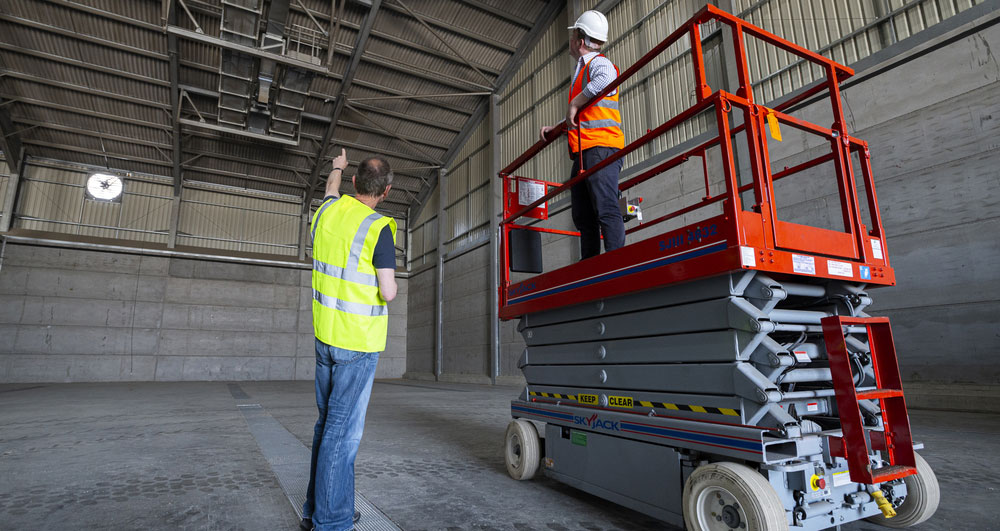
<point>923,494</point>
<point>522,449</point>
<point>758,502</point>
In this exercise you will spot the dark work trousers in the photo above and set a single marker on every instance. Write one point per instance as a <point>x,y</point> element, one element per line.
<point>595,203</point>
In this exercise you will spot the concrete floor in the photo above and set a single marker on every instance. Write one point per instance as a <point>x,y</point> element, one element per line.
<point>180,456</point>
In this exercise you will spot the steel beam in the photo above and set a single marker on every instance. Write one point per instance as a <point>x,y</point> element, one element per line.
<point>232,158</point>
<point>499,12</point>
<point>444,41</point>
<point>175,221</point>
<point>430,158</point>
<point>86,112</point>
<point>255,162</point>
<point>82,36</point>
<point>238,132</point>
<point>397,92</point>
<point>255,52</point>
<point>334,30</point>
<point>399,40</point>
<point>108,15</point>
<point>496,163</point>
<point>414,139</point>
<point>82,64</point>
<point>13,152</point>
<point>401,116</point>
<point>436,77</point>
<point>460,31</point>
<point>424,73</point>
<point>311,157</point>
<point>381,151</point>
<point>78,149</point>
<point>175,107</point>
<point>387,62</point>
<point>84,90</point>
<point>10,142</point>
<point>345,86</point>
<point>421,96</point>
<point>524,47</point>
<point>91,133</point>
<point>249,177</point>
<point>439,285</point>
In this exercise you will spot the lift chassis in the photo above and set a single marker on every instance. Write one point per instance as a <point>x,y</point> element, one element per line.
<point>724,375</point>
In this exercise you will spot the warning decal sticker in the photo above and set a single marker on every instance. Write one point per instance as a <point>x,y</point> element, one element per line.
<point>803,264</point>
<point>877,248</point>
<point>840,269</point>
<point>586,399</point>
<point>620,401</point>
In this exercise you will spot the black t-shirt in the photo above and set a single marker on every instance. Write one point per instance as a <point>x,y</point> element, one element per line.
<point>385,250</point>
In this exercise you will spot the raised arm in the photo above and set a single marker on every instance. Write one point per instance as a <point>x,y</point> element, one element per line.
<point>333,181</point>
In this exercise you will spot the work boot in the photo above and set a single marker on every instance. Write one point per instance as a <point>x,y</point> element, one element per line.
<point>307,524</point>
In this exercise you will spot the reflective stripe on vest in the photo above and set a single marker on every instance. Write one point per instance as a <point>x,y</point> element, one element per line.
<point>348,309</point>
<point>320,213</point>
<point>601,123</point>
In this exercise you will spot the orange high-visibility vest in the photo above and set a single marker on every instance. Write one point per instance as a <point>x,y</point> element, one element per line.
<point>601,123</point>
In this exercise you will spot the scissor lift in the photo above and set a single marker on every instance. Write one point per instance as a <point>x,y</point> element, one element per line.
<point>722,375</point>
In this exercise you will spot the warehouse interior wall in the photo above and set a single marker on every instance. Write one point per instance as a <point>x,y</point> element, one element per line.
<point>933,134</point>
<point>76,315</point>
<point>90,291</point>
<point>926,106</point>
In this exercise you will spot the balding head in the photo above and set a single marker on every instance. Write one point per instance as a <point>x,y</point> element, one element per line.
<point>374,176</point>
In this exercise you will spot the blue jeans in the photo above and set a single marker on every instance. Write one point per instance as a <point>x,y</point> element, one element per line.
<point>595,203</point>
<point>343,385</point>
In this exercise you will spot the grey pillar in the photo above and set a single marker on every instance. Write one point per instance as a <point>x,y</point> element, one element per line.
<point>304,225</point>
<point>439,299</point>
<point>175,221</point>
<point>495,190</point>
<point>7,220</point>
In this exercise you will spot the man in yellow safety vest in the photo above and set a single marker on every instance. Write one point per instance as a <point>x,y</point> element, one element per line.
<point>595,201</point>
<point>353,277</point>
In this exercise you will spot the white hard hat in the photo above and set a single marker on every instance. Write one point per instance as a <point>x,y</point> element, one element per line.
<point>594,24</point>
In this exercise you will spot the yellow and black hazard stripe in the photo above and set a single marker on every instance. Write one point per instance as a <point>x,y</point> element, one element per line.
<point>665,405</point>
<point>696,409</point>
<point>553,395</point>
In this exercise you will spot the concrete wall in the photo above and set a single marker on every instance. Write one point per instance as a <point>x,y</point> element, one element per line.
<point>420,325</point>
<point>932,127</point>
<point>466,323</point>
<point>71,315</point>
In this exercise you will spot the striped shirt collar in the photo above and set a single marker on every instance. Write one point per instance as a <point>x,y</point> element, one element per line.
<point>584,59</point>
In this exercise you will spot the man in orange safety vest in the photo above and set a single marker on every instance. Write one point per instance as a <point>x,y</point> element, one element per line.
<point>599,136</point>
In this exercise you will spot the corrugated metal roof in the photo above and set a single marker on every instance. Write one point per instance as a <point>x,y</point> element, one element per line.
<point>90,80</point>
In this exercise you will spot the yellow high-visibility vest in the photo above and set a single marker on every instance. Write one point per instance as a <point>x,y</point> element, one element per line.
<point>348,309</point>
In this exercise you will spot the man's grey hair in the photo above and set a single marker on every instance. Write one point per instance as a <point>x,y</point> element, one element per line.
<point>374,176</point>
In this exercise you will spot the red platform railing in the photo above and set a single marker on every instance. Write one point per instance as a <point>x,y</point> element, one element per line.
<point>748,238</point>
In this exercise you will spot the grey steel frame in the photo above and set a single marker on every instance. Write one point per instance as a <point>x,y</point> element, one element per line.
<point>729,368</point>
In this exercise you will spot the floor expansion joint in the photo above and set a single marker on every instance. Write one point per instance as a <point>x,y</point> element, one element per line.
<point>289,460</point>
